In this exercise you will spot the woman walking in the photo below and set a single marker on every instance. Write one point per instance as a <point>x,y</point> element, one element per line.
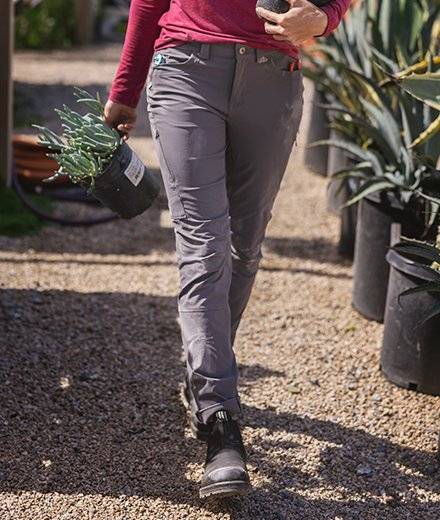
<point>224,95</point>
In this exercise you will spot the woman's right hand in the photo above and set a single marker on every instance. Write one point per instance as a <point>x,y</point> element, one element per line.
<point>121,117</point>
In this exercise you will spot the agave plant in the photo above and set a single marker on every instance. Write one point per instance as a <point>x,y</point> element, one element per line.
<point>370,45</point>
<point>87,144</point>
<point>429,257</point>
<point>385,161</point>
<point>382,34</point>
<point>426,88</point>
<point>401,32</point>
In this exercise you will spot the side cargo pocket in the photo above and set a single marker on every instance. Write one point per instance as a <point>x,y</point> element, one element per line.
<point>175,204</point>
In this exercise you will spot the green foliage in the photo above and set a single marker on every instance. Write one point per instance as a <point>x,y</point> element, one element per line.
<point>15,219</point>
<point>48,25</point>
<point>87,144</point>
<point>425,87</point>
<point>402,31</point>
<point>368,47</point>
<point>385,162</point>
<point>387,118</point>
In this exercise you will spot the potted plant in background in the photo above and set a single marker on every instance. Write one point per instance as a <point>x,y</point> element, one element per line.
<point>410,355</point>
<point>95,156</point>
<point>368,46</point>
<point>30,159</point>
<point>397,184</point>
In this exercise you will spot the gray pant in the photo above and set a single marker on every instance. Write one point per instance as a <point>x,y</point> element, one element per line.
<point>224,118</point>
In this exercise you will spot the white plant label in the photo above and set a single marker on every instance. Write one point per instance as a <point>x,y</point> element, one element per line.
<point>135,170</point>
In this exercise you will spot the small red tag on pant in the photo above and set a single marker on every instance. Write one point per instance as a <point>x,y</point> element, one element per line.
<point>295,65</point>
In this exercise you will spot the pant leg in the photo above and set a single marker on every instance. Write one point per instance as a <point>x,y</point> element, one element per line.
<point>264,116</point>
<point>188,96</point>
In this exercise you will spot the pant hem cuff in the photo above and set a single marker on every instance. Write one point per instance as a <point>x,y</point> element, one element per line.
<point>231,405</point>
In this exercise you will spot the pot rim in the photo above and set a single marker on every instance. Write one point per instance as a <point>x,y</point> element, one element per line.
<point>411,267</point>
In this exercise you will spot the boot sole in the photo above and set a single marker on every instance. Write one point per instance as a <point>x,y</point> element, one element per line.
<point>225,489</point>
<point>199,430</point>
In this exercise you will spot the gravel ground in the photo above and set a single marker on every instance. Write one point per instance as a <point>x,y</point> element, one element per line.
<point>90,361</point>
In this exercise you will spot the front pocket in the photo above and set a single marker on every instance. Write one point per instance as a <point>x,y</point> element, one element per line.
<point>173,56</point>
<point>281,65</point>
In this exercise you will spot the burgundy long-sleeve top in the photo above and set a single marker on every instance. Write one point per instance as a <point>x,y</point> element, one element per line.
<point>156,24</point>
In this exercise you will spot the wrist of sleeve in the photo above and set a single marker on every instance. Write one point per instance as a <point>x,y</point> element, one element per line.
<point>326,31</point>
<point>335,11</point>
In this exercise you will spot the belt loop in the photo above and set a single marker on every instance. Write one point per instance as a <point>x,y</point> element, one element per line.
<point>259,53</point>
<point>205,51</point>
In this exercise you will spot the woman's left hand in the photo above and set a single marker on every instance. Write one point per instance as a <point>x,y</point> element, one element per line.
<point>303,21</point>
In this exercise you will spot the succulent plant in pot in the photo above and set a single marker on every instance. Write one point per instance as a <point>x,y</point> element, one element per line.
<point>410,355</point>
<point>93,155</point>
<point>397,183</point>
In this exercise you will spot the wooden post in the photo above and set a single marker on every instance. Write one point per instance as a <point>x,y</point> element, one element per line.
<point>85,21</point>
<point>6,48</point>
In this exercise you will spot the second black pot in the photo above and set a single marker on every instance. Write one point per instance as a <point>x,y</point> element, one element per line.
<point>347,240</point>
<point>316,158</point>
<point>371,271</point>
<point>410,354</point>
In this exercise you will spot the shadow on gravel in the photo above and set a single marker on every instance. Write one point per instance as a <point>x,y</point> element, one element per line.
<point>89,392</point>
<point>121,237</point>
<point>352,463</point>
<point>318,250</point>
<point>311,272</point>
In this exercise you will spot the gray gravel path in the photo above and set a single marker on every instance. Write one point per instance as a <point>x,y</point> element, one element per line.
<point>91,424</point>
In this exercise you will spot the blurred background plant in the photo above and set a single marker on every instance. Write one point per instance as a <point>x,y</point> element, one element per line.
<point>45,24</point>
<point>51,24</point>
<point>15,218</point>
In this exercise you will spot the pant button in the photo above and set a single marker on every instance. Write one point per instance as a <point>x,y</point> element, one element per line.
<point>242,50</point>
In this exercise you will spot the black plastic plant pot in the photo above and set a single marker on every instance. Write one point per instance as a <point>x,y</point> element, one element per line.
<point>410,354</point>
<point>316,158</point>
<point>281,6</point>
<point>347,240</point>
<point>126,186</point>
<point>371,270</point>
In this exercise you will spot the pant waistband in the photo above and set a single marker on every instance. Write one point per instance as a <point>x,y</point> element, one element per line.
<point>205,50</point>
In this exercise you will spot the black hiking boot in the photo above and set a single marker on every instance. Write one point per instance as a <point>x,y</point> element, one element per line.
<point>225,467</point>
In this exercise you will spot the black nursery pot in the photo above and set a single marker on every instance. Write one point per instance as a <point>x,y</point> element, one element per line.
<point>371,270</point>
<point>281,6</point>
<point>410,354</point>
<point>126,186</point>
<point>316,158</point>
<point>349,217</point>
